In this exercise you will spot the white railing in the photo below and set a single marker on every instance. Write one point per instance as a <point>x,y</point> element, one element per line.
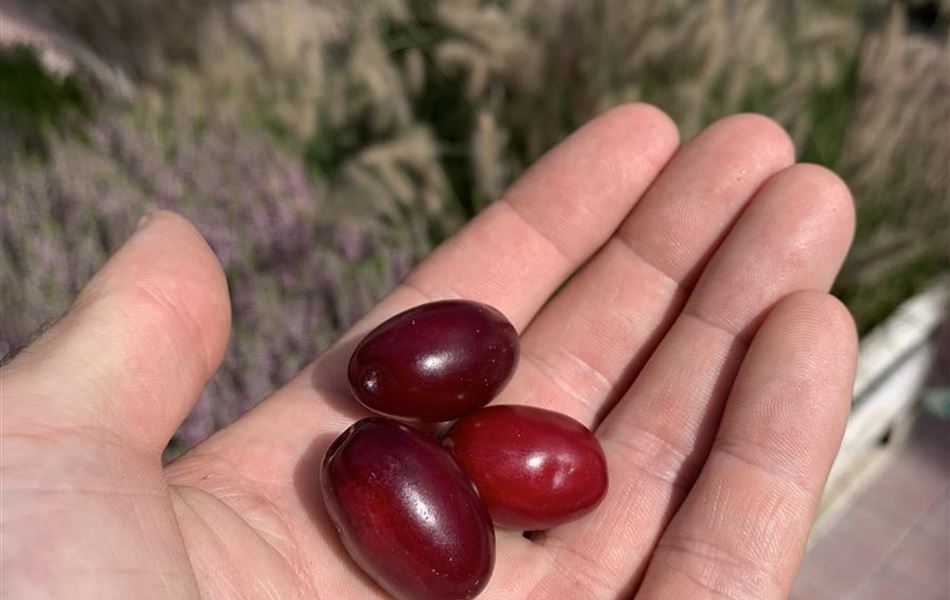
<point>893,363</point>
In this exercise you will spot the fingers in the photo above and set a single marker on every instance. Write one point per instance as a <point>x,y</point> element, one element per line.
<point>138,345</point>
<point>580,353</point>
<point>513,256</point>
<point>793,236</point>
<point>743,528</point>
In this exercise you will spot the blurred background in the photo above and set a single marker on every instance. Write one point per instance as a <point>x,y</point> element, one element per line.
<point>324,147</point>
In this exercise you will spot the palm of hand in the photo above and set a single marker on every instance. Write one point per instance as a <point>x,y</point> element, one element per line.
<point>696,337</point>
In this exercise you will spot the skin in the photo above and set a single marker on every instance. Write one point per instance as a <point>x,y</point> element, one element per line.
<point>696,338</point>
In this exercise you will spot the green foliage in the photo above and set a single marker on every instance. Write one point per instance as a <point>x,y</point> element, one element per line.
<point>872,302</point>
<point>33,102</point>
<point>441,104</point>
<point>831,109</point>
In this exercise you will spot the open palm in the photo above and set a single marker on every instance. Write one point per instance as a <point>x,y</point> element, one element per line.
<point>696,337</point>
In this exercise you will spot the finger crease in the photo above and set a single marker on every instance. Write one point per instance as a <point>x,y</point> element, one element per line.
<point>554,374</point>
<point>672,282</point>
<point>563,254</point>
<point>429,296</point>
<point>731,334</point>
<point>653,455</point>
<point>717,569</point>
<point>771,469</point>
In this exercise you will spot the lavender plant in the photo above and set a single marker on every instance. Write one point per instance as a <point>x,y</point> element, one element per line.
<point>297,275</point>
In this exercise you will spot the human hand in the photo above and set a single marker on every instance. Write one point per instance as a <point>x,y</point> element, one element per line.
<point>696,337</point>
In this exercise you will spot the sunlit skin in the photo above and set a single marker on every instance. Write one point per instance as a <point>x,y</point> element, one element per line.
<point>691,331</point>
<point>435,362</point>
<point>535,468</point>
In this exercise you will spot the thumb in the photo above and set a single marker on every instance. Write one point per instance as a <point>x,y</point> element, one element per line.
<point>136,348</point>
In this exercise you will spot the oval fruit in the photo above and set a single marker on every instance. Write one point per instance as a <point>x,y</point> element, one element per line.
<point>435,362</point>
<point>534,468</point>
<point>406,513</point>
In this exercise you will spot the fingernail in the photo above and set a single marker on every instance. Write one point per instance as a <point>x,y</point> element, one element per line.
<point>146,219</point>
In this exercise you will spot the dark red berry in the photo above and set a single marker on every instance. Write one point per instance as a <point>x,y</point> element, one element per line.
<point>435,362</point>
<point>406,513</point>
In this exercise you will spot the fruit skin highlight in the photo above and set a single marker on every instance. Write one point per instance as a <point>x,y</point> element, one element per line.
<point>407,513</point>
<point>435,362</point>
<point>534,468</point>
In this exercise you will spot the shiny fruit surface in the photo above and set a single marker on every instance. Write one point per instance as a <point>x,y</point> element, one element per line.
<point>406,513</point>
<point>534,468</point>
<point>435,362</point>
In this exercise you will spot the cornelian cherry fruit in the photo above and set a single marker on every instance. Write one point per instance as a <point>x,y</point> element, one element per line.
<point>434,362</point>
<point>406,513</point>
<point>534,468</point>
